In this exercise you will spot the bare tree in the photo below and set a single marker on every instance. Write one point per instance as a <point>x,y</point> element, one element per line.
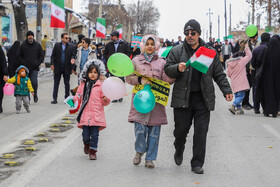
<point>20,19</point>
<point>144,17</point>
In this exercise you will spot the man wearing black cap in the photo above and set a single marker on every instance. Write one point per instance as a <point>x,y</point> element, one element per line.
<point>193,95</point>
<point>31,55</point>
<point>116,46</point>
<point>256,63</point>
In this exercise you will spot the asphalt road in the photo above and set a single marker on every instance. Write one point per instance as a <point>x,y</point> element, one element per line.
<point>241,150</point>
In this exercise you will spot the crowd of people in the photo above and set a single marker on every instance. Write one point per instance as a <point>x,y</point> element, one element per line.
<point>247,63</point>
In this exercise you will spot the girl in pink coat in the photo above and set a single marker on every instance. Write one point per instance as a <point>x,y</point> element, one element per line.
<point>147,126</point>
<point>237,73</point>
<point>91,117</point>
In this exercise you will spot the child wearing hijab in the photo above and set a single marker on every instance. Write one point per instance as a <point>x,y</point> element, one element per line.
<point>22,88</point>
<point>147,126</point>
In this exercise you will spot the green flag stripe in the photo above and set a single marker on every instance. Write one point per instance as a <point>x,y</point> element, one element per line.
<point>165,53</point>
<point>59,3</point>
<point>102,21</point>
<point>199,66</point>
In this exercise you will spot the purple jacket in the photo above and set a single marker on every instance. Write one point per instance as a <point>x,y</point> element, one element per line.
<point>237,71</point>
<point>149,69</point>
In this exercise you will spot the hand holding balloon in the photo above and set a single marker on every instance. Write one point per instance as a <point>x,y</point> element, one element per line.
<point>145,81</point>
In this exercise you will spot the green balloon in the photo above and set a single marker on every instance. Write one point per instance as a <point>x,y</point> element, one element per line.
<point>251,30</point>
<point>120,65</point>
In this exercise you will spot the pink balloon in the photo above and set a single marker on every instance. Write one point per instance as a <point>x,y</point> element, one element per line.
<point>9,89</point>
<point>113,88</point>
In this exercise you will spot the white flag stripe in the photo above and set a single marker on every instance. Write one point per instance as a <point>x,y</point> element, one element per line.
<point>100,28</point>
<point>204,60</point>
<point>57,12</point>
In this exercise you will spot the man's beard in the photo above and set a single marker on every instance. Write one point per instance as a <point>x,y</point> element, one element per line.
<point>191,42</point>
<point>30,41</point>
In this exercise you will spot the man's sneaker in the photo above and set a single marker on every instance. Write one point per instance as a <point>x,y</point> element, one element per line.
<point>35,98</point>
<point>114,101</point>
<point>257,112</point>
<point>120,100</point>
<point>246,107</point>
<point>27,110</point>
<point>178,155</point>
<point>137,158</point>
<point>198,170</point>
<point>18,111</point>
<point>54,102</point>
<point>149,164</point>
<point>232,109</point>
<point>239,111</point>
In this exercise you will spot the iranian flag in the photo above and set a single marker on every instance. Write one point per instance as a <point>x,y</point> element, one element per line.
<point>100,27</point>
<point>57,14</point>
<point>119,29</point>
<point>163,52</point>
<point>202,59</point>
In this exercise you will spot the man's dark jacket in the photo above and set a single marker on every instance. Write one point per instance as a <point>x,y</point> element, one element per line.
<point>110,49</point>
<point>56,58</point>
<point>31,55</point>
<point>181,89</point>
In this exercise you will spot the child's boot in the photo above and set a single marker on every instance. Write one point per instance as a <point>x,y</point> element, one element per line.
<point>18,111</point>
<point>27,110</point>
<point>92,154</point>
<point>86,148</point>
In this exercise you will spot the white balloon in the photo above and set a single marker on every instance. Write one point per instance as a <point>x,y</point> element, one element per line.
<point>113,88</point>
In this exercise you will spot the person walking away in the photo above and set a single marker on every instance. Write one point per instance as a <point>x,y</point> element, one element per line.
<point>3,76</point>
<point>31,55</point>
<point>147,126</point>
<point>226,52</point>
<point>61,65</point>
<point>91,117</point>
<point>193,95</point>
<point>44,43</point>
<point>255,62</point>
<point>236,71</point>
<point>13,62</point>
<point>270,77</point>
<point>22,88</point>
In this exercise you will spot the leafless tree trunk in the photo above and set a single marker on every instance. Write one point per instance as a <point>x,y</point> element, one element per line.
<point>20,19</point>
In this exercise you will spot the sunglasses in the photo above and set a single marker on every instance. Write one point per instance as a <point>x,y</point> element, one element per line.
<point>66,38</point>
<point>193,33</point>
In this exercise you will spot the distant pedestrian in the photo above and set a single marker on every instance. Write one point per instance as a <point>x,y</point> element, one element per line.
<point>61,58</point>
<point>147,126</point>
<point>236,71</point>
<point>31,55</point>
<point>13,62</point>
<point>22,88</point>
<point>44,43</point>
<point>91,117</point>
<point>226,52</point>
<point>179,41</point>
<point>3,75</point>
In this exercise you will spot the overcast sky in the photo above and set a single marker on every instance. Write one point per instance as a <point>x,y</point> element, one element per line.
<point>175,13</point>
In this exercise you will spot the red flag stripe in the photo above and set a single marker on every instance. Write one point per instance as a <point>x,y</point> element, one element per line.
<point>99,34</point>
<point>205,51</point>
<point>56,23</point>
